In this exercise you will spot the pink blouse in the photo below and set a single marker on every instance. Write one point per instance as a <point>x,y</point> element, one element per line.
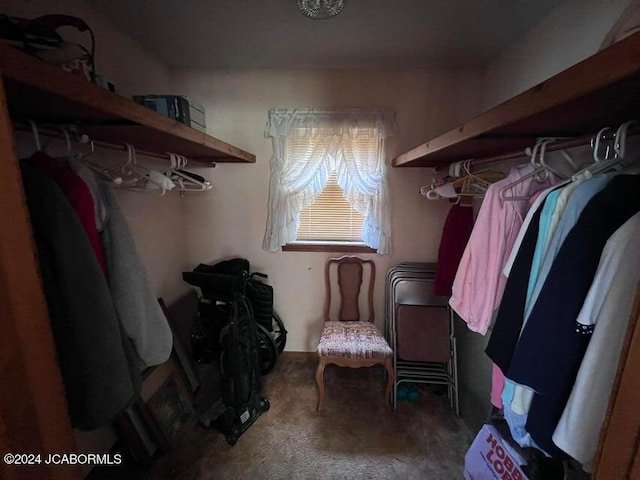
<point>479,282</point>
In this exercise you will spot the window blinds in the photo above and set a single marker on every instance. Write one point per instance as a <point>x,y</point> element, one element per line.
<point>330,217</point>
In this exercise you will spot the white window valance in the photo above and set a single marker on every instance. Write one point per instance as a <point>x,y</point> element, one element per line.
<point>310,144</point>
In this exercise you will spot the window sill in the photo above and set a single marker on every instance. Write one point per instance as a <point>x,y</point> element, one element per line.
<point>327,247</point>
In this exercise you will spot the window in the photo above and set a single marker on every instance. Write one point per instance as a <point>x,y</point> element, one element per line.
<point>328,181</point>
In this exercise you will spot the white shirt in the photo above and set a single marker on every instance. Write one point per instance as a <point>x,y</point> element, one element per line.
<point>607,307</point>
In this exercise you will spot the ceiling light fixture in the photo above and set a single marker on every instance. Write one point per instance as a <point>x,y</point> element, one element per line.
<point>321,9</point>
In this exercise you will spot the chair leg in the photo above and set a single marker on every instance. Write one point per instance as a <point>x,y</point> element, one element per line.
<point>320,381</point>
<point>390,382</point>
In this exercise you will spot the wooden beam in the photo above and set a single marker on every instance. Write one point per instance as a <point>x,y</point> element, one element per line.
<point>617,455</point>
<point>32,399</point>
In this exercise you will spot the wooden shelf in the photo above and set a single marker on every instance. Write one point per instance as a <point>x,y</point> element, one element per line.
<point>47,94</point>
<point>603,90</point>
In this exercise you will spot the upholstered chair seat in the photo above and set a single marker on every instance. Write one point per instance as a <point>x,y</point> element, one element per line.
<point>353,340</point>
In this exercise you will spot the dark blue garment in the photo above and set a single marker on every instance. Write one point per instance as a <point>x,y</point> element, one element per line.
<point>550,349</point>
<point>508,324</point>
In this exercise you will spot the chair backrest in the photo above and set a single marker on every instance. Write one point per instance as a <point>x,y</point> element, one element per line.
<point>350,275</point>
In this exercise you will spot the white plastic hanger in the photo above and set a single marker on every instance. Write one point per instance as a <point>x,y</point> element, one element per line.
<point>541,157</point>
<point>613,158</point>
<point>621,138</point>
<point>105,173</point>
<point>67,137</point>
<point>36,135</point>
<point>184,180</point>
<point>536,173</point>
<point>142,179</point>
<point>468,184</point>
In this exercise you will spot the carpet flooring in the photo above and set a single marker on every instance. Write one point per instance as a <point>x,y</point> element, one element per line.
<point>354,437</point>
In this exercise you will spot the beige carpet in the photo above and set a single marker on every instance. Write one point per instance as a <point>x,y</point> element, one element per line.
<point>354,437</point>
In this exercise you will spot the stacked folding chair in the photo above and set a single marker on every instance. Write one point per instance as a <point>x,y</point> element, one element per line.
<point>419,328</point>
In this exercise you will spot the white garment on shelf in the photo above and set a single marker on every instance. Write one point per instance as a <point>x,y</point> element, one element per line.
<point>607,306</point>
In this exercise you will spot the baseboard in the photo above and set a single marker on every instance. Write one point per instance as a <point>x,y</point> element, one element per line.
<point>299,355</point>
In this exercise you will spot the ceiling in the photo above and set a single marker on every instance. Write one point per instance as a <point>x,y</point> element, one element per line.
<point>367,34</point>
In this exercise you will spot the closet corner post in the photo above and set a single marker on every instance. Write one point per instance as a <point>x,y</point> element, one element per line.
<point>33,410</point>
<point>618,449</point>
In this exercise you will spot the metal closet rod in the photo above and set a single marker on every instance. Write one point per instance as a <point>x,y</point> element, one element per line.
<point>52,132</point>
<point>573,142</point>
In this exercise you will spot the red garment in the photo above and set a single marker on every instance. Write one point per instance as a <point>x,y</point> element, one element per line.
<point>79,197</point>
<point>455,235</point>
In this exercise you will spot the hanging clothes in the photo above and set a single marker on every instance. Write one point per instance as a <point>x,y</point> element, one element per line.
<point>455,235</point>
<point>549,352</point>
<point>506,329</point>
<point>101,212</point>
<point>518,396</point>
<point>137,307</point>
<point>497,376</point>
<point>516,399</point>
<point>98,366</point>
<point>537,202</point>
<point>479,283</point>
<point>510,323</point>
<point>544,234</point>
<point>607,309</point>
<point>78,195</point>
<point>578,200</point>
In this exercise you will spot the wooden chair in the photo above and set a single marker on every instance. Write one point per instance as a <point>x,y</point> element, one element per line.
<point>350,342</point>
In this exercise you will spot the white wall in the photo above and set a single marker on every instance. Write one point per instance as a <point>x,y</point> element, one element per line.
<point>231,220</point>
<point>571,33</point>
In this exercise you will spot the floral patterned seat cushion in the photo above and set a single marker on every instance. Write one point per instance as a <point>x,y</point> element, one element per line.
<point>353,340</point>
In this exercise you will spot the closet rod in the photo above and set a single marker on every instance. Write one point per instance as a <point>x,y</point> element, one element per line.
<point>123,148</point>
<point>51,132</point>
<point>582,140</point>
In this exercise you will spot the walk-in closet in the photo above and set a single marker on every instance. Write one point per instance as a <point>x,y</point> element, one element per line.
<point>319,239</point>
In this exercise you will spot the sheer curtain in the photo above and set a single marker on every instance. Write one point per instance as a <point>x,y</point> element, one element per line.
<point>307,146</point>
